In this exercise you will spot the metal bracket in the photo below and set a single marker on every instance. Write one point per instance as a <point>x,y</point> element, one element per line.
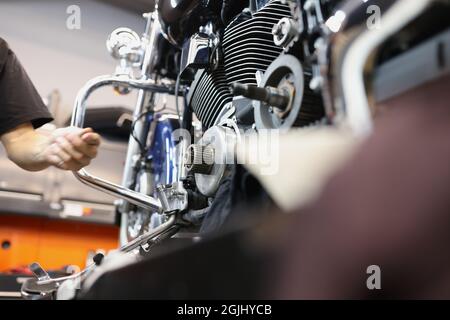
<point>173,197</point>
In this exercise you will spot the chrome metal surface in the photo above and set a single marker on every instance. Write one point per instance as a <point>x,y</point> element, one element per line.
<point>199,159</point>
<point>248,49</point>
<point>286,73</point>
<point>125,45</point>
<point>39,272</point>
<point>143,239</point>
<point>139,199</point>
<point>77,278</point>
<point>71,277</point>
<point>173,197</point>
<point>148,42</point>
<point>351,45</point>
<point>223,141</point>
<point>286,31</point>
<point>78,115</point>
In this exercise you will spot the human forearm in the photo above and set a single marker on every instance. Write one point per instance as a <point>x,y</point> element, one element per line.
<point>24,147</point>
<point>66,148</point>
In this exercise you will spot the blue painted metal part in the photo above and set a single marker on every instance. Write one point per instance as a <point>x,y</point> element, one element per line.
<point>162,154</point>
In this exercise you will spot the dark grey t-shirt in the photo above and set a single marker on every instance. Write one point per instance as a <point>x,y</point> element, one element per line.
<point>19,100</point>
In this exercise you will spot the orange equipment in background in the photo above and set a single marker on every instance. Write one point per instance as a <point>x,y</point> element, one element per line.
<point>52,243</point>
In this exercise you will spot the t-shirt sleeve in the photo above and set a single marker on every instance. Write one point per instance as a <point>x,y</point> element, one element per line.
<point>19,100</point>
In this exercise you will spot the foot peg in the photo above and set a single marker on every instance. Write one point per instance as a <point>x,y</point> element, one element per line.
<point>33,289</point>
<point>44,287</point>
<point>39,272</point>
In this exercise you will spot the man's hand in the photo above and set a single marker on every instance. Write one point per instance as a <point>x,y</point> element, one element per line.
<point>66,148</point>
<point>71,148</point>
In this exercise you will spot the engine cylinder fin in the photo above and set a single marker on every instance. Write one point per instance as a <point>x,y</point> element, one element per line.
<point>248,47</point>
<point>212,93</point>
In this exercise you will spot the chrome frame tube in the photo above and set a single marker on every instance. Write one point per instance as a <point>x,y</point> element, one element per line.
<point>351,49</point>
<point>143,239</point>
<point>358,114</point>
<point>78,116</point>
<point>149,39</point>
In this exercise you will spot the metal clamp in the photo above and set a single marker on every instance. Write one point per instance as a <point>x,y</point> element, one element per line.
<point>78,115</point>
<point>173,197</point>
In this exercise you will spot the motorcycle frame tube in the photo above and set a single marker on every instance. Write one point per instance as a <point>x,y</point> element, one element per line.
<point>78,117</point>
<point>350,59</point>
<point>153,29</point>
<point>143,239</point>
<point>161,154</point>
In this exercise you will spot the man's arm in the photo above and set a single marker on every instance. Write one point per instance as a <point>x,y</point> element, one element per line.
<point>67,148</point>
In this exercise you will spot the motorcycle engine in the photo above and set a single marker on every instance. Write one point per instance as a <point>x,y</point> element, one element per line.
<point>247,50</point>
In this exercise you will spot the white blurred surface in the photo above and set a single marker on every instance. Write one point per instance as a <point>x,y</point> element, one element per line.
<point>295,167</point>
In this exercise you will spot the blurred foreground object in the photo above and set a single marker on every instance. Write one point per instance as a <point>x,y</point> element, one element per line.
<point>388,207</point>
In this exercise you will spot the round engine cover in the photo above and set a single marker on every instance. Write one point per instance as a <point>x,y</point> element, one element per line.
<point>284,68</point>
<point>223,142</point>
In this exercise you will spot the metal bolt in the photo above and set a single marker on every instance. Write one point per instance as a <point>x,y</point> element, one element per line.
<point>270,95</point>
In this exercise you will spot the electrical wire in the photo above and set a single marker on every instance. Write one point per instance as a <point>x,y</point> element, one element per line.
<point>142,147</point>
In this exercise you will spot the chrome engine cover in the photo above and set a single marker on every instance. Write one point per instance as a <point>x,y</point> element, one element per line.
<point>223,141</point>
